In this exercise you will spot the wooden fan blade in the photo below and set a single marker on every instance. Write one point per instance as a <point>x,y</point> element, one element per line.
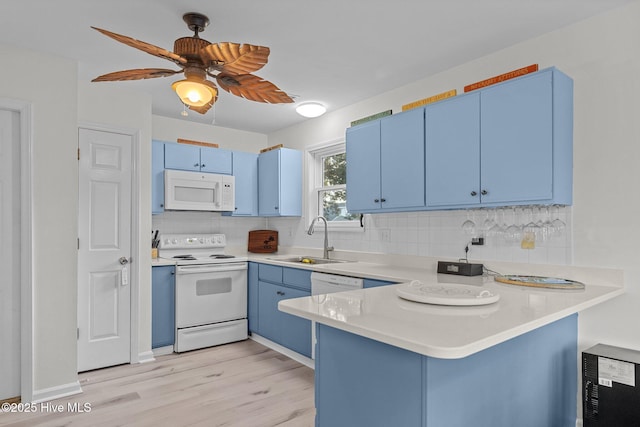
<point>138,74</point>
<point>234,58</point>
<point>144,46</point>
<point>204,108</point>
<point>253,88</point>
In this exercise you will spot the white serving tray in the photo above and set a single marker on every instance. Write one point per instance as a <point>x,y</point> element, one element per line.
<point>446,294</point>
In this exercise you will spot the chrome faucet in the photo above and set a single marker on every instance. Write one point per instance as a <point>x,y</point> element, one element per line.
<point>327,248</point>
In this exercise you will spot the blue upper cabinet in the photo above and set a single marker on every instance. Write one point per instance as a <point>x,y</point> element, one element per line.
<point>363,167</point>
<point>280,183</point>
<point>216,160</point>
<point>194,158</point>
<point>452,134</point>
<point>508,144</point>
<point>245,169</point>
<point>385,164</point>
<point>157,177</point>
<point>526,136</point>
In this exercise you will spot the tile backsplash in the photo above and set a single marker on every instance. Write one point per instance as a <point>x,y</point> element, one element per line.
<point>438,234</point>
<point>432,234</point>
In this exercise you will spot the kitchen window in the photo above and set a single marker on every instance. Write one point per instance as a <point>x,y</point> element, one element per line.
<point>328,189</point>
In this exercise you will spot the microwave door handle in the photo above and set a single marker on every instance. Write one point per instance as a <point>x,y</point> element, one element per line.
<point>193,269</point>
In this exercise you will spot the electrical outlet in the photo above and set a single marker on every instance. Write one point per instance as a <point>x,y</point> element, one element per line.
<point>385,235</point>
<point>477,241</point>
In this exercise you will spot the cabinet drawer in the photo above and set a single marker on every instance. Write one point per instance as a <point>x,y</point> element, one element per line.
<point>297,277</point>
<point>270,273</point>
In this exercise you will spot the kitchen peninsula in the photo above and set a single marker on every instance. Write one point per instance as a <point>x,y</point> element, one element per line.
<point>382,360</point>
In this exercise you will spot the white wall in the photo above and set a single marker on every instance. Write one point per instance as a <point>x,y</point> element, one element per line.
<point>168,129</point>
<point>602,56</point>
<point>117,108</point>
<point>50,85</point>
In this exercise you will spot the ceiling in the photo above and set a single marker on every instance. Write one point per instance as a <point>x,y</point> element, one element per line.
<point>337,52</point>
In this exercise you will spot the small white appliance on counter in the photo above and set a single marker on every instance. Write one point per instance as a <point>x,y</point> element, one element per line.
<point>198,191</point>
<point>211,290</point>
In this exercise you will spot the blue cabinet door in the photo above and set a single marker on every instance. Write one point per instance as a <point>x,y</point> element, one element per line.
<point>452,142</point>
<point>182,156</point>
<point>517,140</point>
<point>402,160</point>
<point>290,182</point>
<point>363,167</point>
<point>216,160</point>
<point>280,183</point>
<point>163,306</point>
<point>289,331</point>
<point>245,170</point>
<point>269,183</point>
<point>364,383</point>
<point>157,177</point>
<point>252,297</point>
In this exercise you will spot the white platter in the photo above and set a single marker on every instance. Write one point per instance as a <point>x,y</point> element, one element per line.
<point>446,294</point>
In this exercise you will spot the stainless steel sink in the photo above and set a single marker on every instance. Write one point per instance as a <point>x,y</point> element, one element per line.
<point>309,260</point>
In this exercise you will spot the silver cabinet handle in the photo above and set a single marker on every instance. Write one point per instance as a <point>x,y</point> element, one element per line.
<point>123,260</point>
<point>484,192</point>
<point>196,165</point>
<point>473,193</point>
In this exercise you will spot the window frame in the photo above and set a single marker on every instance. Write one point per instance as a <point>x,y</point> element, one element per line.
<point>315,154</point>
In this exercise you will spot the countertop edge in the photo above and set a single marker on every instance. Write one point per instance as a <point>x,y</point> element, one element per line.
<point>458,352</point>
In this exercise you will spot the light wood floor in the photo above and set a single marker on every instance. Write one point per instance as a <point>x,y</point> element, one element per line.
<point>243,384</point>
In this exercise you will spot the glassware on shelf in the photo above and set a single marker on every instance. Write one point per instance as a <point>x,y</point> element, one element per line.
<point>469,227</point>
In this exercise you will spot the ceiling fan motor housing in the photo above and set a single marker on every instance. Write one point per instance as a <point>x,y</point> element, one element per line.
<point>189,47</point>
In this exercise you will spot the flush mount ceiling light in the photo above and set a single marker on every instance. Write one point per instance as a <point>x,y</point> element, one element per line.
<point>311,109</point>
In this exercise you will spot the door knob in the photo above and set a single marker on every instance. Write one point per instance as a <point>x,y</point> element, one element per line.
<point>123,260</point>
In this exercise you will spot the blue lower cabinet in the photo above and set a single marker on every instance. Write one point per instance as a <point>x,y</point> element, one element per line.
<point>163,306</point>
<point>252,297</point>
<point>268,285</point>
<point>528,381</point>
<point>289,331</point>
<point>372,283</point>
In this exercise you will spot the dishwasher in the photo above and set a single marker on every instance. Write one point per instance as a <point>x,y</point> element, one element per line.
<point>323,283</point>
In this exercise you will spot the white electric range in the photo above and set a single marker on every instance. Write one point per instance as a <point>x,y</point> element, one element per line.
<point>211,290</point>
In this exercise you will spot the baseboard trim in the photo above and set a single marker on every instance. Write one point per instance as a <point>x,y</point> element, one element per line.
<point>280,349</point>
<point>57,392</point>
<point>146,357</point>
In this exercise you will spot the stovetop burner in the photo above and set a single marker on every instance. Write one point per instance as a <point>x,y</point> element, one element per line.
<point>192,249</point>
<point>186,257</point>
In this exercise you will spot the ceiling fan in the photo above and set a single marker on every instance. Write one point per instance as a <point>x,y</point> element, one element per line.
<point>231,64</point>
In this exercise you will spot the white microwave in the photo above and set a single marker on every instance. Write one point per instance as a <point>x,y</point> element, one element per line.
<point>198,191</point>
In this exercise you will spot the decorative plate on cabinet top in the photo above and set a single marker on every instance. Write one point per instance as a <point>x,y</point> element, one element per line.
<point>446,294</point>
<point>540,282</point>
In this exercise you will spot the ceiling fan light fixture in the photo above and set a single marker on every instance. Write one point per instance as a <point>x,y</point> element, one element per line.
<point>311,109</point>
<point>194,93</point>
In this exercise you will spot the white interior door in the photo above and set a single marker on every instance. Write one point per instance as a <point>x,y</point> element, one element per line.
<point>104,231</point>
<point>9,255</point>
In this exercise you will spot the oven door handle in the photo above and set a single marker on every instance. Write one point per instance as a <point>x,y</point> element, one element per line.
<point>216,268</point>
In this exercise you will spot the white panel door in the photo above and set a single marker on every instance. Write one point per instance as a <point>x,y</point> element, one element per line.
<point>104,231</point>
<point>9,255</point>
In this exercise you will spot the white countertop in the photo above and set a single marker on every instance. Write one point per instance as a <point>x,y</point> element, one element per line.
<point>443,331</point>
